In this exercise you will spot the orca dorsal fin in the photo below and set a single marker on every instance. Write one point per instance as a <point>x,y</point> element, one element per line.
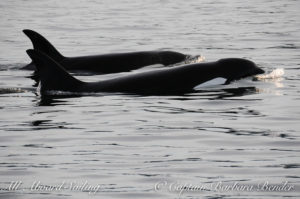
<point>52,75</point>
<point>40,43</point>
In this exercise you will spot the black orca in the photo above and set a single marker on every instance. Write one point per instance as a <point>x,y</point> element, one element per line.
<point>106,63</point>
<point>176,80</point>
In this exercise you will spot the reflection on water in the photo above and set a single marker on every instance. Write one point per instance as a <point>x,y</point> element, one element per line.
<point>56,97</point>
<point>54,100</point>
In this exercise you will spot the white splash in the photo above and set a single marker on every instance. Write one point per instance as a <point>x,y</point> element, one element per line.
<point>191,60</point>
<point>194,59</point>
<point>277,73</point>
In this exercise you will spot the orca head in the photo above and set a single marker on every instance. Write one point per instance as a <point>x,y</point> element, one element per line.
<point>237,68</point>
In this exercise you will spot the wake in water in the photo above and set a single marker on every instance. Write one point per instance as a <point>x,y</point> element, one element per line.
<point>275,74</point>
<point>11,90</point>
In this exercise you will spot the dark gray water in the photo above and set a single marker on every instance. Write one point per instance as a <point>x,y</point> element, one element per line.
<point>123,146</point>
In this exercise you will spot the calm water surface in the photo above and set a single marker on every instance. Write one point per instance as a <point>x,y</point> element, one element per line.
<point>152,146</point>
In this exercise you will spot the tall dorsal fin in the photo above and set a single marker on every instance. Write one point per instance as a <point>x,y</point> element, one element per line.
<point>51,74</point>
<point>40,43</point>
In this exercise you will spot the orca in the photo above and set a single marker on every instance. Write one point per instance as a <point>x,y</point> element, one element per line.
<point>106,63</point>
<point>167,81</point>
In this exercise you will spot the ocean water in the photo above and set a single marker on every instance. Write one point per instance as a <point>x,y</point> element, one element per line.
<point>237,141</point>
